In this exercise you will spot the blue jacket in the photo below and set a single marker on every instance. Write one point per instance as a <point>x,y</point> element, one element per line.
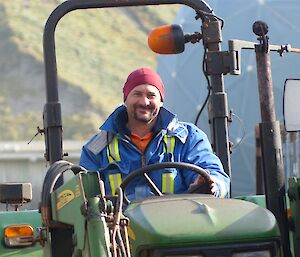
<point>191,146</point>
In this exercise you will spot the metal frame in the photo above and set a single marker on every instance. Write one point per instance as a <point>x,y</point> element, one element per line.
<point>218,110</point>
<point>62,238</point>
<point>52,109</point>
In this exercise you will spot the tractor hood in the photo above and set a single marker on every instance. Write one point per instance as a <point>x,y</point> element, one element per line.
<point>186,220</point>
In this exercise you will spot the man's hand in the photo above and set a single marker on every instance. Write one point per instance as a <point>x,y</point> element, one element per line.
<point>201,186</point>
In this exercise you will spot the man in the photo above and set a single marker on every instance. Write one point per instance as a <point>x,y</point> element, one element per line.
<point>143,132</point>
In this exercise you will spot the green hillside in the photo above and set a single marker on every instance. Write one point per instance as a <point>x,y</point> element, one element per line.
<point>96,49</point>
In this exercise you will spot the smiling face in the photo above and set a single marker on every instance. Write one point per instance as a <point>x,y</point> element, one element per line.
<point>143,104</point>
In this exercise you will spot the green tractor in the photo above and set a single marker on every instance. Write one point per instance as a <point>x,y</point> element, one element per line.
<point>77,218</point>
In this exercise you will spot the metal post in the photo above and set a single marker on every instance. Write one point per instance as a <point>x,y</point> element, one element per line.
<point>270,137</point>
<point>61,240</point>
<point>217,107</point>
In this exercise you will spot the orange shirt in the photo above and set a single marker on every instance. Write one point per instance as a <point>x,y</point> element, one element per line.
<point>141,143</point>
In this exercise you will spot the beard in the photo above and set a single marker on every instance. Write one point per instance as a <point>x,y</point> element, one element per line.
<point>144,114</point>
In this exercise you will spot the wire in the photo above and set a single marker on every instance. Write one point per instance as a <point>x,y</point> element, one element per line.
<point>53,174</point>
<point>208,87</point>
<point>221,20</point>
<point>243,131</point>
<point>201,14</point>
<point>119,244</point>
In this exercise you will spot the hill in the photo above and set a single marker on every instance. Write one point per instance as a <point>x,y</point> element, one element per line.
<point>96,49</point>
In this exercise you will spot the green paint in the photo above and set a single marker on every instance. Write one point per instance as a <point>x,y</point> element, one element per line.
<point>20,218</point>
<point>191,220</point>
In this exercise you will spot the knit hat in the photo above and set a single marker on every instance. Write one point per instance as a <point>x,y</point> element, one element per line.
<point>143,76</point>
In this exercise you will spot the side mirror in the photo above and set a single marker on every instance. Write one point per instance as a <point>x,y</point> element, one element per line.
<point>291,105</point>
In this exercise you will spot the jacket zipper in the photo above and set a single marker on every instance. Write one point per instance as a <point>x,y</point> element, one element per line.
<point>143,160</point>
<point>143,157</point>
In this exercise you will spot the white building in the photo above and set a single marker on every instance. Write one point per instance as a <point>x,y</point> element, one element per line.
<point>23,162</point>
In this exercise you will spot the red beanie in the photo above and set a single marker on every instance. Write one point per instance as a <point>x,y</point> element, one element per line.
<point>143,76</point>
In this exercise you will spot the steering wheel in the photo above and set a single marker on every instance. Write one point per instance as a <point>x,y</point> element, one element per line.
<point>164,165</point>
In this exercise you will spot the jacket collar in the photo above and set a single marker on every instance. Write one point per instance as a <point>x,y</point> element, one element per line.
<point>166,121</point>
<point>116,122</point>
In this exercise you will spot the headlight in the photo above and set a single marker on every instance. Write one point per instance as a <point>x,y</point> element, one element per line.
<point>264,253</point>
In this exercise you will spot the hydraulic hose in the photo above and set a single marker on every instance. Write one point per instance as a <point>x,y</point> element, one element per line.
<point>52,175</point>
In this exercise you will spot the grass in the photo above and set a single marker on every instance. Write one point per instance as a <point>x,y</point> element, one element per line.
<point>96,49</point>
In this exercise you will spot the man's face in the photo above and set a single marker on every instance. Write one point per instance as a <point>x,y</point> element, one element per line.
<point>143,103</point>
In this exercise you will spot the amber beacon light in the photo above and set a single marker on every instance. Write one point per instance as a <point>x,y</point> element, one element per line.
<point>168,39</point>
